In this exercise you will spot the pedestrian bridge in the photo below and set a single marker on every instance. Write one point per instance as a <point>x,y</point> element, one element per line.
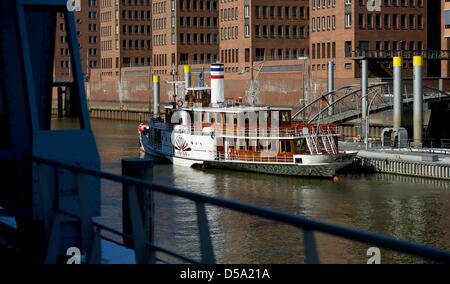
<point>346,102</point>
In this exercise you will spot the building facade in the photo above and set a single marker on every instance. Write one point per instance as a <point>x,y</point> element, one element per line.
<point>343,30</point>
<point>125,32</point>
<point>88,25</point>
<point>262,30</point>
<point>185,32</point>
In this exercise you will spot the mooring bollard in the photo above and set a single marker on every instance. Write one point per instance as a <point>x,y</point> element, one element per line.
<point>137,217</point>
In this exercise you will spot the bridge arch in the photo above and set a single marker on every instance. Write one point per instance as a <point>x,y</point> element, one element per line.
<point>346,105</point>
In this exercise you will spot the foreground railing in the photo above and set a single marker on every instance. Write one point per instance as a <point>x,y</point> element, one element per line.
<point>145,251</point>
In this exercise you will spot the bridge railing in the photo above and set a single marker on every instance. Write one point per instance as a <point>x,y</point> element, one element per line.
<point>145,251</point>
<point>347,105</point>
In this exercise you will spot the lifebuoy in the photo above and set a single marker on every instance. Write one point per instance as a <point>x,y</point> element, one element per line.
<point>142,128</point>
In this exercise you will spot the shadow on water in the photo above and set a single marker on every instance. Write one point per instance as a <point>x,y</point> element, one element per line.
<point>407,208</point>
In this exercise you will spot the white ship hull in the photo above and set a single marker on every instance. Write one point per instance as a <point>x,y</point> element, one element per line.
<point>312,165</point>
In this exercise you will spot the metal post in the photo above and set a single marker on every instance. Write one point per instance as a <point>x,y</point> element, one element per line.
<point>60,102</point>
<point>67,101</point>
<point>142,169</point>
<point>398,96</point>
<point>364,92</point>
<point>330,85</point>
<point>156,96</point>
<point>441,84</point>
<point>418,101</point>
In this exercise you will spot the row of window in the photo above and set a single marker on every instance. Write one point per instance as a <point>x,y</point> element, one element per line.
<point>136,44</point>
<point>328,23</point>
<point>397,3</point>
<point>198,5</point>
<point>229,14</point>
<point>135,15</point>
<point>229,33</point>
<point>64,64</point>
<point>279,54</point>
<point>198,38</point>
<point>318,67</point>
<point>106,31</point>
<point>323,50</point>
<point>198,22</point>
<point>159,40</point>
<point>159,7</point>
<point>317,4</point>
<point>138,61</point>
<point>281,31</point>
<point>391,46</point>
<point>106,45</point>
<point>229,55</point>
<point>136,2</point>
<point>159,24</point>
<point>390,21</point>
<point>136,30</point>
<point>202,58</point>
<point>282,12</point>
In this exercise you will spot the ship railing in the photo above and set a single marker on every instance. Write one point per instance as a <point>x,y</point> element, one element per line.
<point>254,157</point>
<point>270,133</point>
<point>145,250</point>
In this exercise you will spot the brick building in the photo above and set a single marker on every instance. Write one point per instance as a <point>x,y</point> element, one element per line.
<point>262,30</point>
<point>184,32</point>
<point>88,24</point>
<point>345,29</point>
<point>125,32</point>
<point>255,39</point>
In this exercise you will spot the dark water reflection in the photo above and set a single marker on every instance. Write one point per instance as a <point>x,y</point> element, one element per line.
<point>406,208</point>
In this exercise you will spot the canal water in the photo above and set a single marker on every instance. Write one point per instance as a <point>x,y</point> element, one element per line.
<point>412,209</point>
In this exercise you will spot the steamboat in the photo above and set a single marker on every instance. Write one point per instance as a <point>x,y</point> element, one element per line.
<point>202,129</point>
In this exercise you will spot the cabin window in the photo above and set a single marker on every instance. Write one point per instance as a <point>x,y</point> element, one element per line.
<point>285,146</point>
<point>301,147</point>
<point>298,161</point>
<point>285,117</point>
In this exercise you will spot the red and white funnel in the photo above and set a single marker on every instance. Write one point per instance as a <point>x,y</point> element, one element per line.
<point>217,84</point>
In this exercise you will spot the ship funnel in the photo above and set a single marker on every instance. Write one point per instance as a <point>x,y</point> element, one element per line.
<point>217,84</point>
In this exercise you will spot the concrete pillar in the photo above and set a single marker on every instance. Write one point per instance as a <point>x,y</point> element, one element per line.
<point>156,96</point>
<point>418,101</point>
<point>330,85</point>
<point>441,84</point>
<point>364,94</point>
<point>141,169</point>
<point>398,96</point>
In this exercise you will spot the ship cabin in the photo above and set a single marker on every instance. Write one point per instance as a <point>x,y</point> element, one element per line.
<point>254,133</point>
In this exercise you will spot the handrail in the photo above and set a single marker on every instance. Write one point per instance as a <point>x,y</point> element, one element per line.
<point>304,223</point>
<point>129,237</point>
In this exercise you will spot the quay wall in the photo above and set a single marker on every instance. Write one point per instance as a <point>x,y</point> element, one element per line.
<point>404,164</point>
